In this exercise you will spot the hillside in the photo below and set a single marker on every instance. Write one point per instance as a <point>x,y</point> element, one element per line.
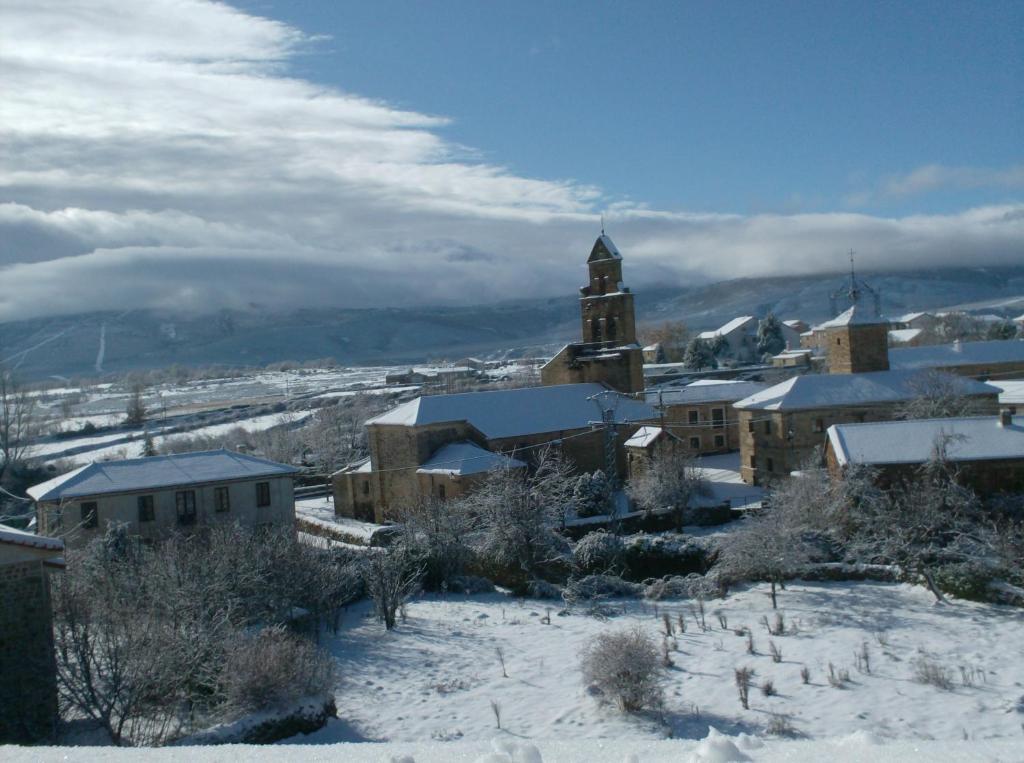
<point>103,342</point>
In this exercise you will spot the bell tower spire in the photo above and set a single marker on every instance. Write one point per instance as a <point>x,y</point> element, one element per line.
<point>606,305</point>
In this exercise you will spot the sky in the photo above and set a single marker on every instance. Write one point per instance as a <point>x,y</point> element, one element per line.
<point>191,156</point>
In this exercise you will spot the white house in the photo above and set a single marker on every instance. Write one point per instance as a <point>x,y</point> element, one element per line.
<point>156,496</point>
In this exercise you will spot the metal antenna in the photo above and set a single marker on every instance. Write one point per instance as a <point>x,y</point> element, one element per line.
<point>602,223</point>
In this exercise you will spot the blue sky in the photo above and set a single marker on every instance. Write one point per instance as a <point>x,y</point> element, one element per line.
<point>192,155</point>
<point>729,107</point>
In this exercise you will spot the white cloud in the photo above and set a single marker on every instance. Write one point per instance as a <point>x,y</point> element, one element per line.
<point>158,154</point>
<point>935,177</point>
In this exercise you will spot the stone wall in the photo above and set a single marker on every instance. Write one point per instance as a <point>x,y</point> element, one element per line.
<point>715,431</point>
<point>858,349</point>
<point>28,684</point>
<point>620,368</point>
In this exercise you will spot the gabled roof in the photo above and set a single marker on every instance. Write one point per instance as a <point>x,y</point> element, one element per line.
<point>830,390</point>
<point>704,391</point>
<point>604,249</point>
<point>728,328</point>
<point>646,436</point>
<point>18,537</point>
<point>1011,392</point>
<point>854,316</point>
<point>908,317</point>
<point>504,413</point>
<point>902,336</point>
<point>138,474</point>
<point>974,438</point>
<point>463,458</point>
<point>958,354</point>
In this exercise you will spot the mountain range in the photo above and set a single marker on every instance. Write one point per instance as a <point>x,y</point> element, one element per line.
<point>99,343</point>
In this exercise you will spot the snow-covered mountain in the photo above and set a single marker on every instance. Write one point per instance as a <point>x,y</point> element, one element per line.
<point>103,342</point>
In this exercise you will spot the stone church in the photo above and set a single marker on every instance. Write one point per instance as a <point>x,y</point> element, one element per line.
<point>609,353</point>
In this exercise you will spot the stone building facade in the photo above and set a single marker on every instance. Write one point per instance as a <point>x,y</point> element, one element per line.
<point>701,415</point>
<point>28,674</point>
<point>609,353</point>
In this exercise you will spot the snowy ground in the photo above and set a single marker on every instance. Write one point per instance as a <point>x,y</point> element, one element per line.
<point>435,677</point>
<point>723,475</point>
<point>320,511</point>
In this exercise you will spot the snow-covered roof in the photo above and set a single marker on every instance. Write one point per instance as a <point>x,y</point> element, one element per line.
<point>514,412</point>
<point>135,474</point>
<point>902,336</point>
<point>704,391</point>
<point>31,540</point>
<point>645,436</point>
<point>728,328</point>
<point>908,317</point>
<point>958,354</point>
<point>464,458</point>
<point>793,323</point>
<point>1011,391</point>
<point>975,438</point>
<point>854,316</point>
<point>604,248</point>
<point>829,390</point>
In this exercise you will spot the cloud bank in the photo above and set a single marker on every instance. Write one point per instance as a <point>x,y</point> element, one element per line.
<point>159,154</point>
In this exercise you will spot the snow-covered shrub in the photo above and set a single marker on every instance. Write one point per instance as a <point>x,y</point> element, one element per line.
<point>592,494</point>
<point>597,552</point>
<point>470,584</point>
<point>542,589</point>
<point>600,587</point>
<point>272,669</point>
<point>625,667</point>
<point>653,556</point>
<point>692,586</point>
<point>966,580</point>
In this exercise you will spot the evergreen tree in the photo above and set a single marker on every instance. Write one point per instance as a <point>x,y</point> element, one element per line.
<point>769,336</point>
<point>136,410</point>
<point>699,356</point>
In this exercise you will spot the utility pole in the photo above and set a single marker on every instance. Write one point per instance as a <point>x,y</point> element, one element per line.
<point>607,403</point>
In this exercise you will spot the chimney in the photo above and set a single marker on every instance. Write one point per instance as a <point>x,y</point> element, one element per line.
<point>957,346</point>
<point>1005,418</point>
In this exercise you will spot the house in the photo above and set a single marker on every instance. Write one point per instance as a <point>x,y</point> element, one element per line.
<point>646,444</point>
<point>411,446</point>
<point>998,358</point>
<point>987,451</point>
<point>609,353</point>
<point>739,335</point>
<point>154,497</point>
<point>782,427</point>
<point>1011,394</point>
<point>700,413</point>
<point>800,358</point>
<point>920,320</point>
<point>28,673</point>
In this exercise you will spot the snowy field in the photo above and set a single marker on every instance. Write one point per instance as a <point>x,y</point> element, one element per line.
<point>435,677</point>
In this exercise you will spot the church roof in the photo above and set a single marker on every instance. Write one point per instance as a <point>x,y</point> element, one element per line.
<point>514,412</point>
<point>854,316</point>
<point>464,458</point>
<point>604,249</point>
<point>958,354</point>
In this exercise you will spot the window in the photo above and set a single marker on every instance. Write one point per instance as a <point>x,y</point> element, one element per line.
<point>718,417</point>
<point>695,443</point>
<point>221,499</point>
<point>769,465</point>
<point>611,328</point>
<point>693,417</point>
<point>750,426</point>
<point>366,487</point>
<point>767,427</point>
<point>838,340</point>
<point>185,503</point>
<point>90,514</point>
<point>262,494</point>
<point>753,462</point>
<point>146,511</point>
<point>719,441</point>
<point>819,425</point>
<point>441,492</point>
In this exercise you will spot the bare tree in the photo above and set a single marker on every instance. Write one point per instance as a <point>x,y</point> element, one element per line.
<point>515,514</point>
<point>136,409</point>
<point>770,544</point>
<point>391,577</point>
<point>435,534</point>
<point>670,481</point>
<point>938,395</point>
<point>671,335</point>
<point>335,436</point>
<point>18,422</point>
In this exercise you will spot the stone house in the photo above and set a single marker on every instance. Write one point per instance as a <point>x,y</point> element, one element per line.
<point>28,673</point>
<point>154,497</point>
<point>700,414</point>
<point>987,451</point>
<point>906,337</point>
<point>647,443</point>
<point>740,336</point>
<point>609,353</point>
<point>921,320</point>
<point>436,446</point>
